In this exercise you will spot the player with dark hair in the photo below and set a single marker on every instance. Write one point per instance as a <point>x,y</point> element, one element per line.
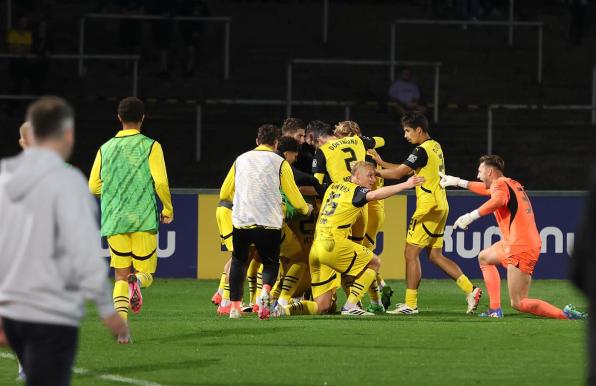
<point>334,254</point>
<point>427,225</point>
<point>128,172</point>
<point>519,249</point>
<point>253,185</point>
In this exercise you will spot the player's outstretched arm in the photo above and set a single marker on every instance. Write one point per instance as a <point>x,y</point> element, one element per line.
<point>395,173</point>
<point>388,191</point>
<point>447,180</point>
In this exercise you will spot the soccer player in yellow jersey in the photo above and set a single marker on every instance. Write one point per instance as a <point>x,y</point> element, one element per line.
<point>128,172</point>
<point>335,156</point>
<point>333,253</point>
<point>427,225</point>
<point>365,230</point>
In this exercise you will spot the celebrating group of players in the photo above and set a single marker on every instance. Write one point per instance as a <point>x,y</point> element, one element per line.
<point>263,218</point>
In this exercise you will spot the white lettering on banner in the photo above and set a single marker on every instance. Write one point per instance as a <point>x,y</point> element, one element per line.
<point>161,253</point>
<point>552,237</point>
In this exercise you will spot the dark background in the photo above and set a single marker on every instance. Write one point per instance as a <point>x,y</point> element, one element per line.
<point>546,150</point>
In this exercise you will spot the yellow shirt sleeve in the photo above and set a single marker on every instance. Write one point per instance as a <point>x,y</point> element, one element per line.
<point>157,166</point>
<point>288,185</point>
<point>226,193</point>
<point>95,182</point>
<point>379,142</point>
<point>320,177</point>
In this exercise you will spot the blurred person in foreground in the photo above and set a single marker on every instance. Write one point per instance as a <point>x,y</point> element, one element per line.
<point>51,258</point>
<point>583,270</point>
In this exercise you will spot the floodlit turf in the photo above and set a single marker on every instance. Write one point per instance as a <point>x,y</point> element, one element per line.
<point>180,341</point>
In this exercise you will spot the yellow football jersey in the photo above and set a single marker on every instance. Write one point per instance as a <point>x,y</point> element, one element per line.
<point>335,158</point>
<point>427,161</point>
<point>343,203</point>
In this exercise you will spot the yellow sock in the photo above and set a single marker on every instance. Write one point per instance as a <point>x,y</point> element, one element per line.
<point>412,298</point>
<point>304,307</point>
<point>346,283</point>
<point>361,285</point>
<point>146,279</point>
<point>276,290</point>
<point>292,280</point>
<point>222,282</point>
<point>380,281</point>
<point>373,292</point>
<point>121,300</point>
<point>465,284</point>
<point>226,292</point>
<point>259,285</point>
<point>251,277</point>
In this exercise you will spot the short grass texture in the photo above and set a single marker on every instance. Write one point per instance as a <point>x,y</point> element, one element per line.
<point>179,340</point>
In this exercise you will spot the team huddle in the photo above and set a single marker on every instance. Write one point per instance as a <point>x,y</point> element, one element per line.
<point>265,201</point>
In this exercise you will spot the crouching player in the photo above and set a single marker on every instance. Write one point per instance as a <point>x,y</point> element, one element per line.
<point>333,253</point>
<point>520,247</point>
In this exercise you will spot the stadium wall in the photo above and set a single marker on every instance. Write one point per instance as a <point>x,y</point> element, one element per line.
<point>190,248</point>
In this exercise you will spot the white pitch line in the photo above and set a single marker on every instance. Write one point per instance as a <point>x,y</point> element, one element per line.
<point>105,377</point>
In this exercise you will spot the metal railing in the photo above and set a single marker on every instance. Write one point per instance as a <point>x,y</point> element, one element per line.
<point>594,94</point>
<point>225,20</point>
<point>258,102</point>
<point>492,108</point>
<point>134,58</point>
<point>292,62</point>
<point>510,24</point>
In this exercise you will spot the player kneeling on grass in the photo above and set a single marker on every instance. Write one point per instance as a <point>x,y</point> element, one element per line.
<point>520,247</point>
<point>333,252</point>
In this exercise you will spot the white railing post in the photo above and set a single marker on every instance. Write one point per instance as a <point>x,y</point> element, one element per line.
<point>540,54</point>
<point>392,53</point>
<point>436,93</point>
<point>325,20</point>
<point>511,5</point>
<point>289,90</point>
<point>594,95</point>
<point>347,112</point>
<point>8,15</point>
<point>227,51</point>
<point>199,132</point>
<point>135,77</point>
<point>489,131</point>
<point>81,46</point>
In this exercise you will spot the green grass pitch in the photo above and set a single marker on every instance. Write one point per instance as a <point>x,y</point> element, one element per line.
<point>179,340</point>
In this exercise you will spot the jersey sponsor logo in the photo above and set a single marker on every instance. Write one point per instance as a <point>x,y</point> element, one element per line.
<point>412,158</point>
<point>553,241</point>
<point>163,251</point>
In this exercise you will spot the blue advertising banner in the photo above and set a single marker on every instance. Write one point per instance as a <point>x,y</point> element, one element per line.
<point>177,246</point>
<point>557,219</point>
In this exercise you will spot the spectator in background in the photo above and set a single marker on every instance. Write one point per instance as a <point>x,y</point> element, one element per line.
<point>20,41</point>
<point>577,20</point>
<point>130,29</point>
<point>191,31</point>
<point>43,46</point>
<point>162,33</point>
<point>405,93</point>
<point>583,270</point>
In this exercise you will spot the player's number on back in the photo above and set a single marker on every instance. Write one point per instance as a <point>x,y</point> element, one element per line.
<point>331,204</point>
<point>350,159</point>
